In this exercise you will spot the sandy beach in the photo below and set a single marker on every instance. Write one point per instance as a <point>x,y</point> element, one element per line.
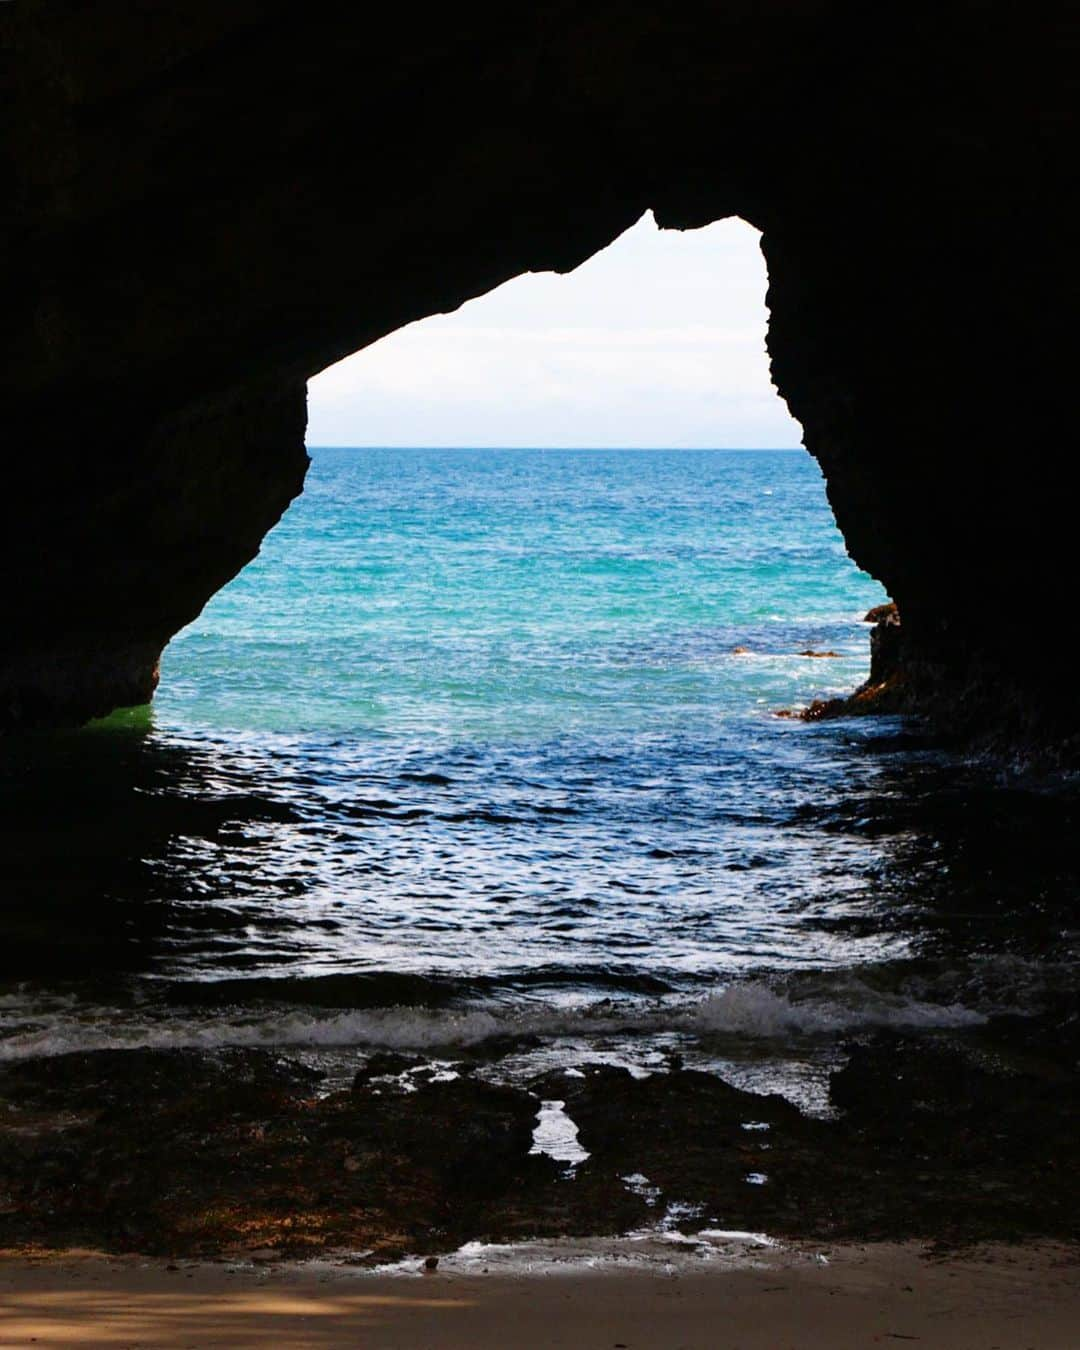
<point>999,1298</point>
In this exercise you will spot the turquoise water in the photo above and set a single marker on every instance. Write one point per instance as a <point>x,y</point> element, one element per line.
<point>469,751</point>
<point>502,595</point>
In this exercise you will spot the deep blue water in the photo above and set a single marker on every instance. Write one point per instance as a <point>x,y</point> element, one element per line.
<point>485,741</point>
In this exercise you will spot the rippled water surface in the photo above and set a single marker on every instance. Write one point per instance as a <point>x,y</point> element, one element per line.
<point>482,744</point>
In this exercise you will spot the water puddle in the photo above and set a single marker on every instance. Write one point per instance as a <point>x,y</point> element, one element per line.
<point>556,1135</point>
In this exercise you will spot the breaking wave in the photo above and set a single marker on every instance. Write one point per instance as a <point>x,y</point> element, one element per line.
<point>751,1009</point>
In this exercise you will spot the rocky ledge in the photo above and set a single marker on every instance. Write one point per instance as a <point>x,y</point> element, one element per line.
<point>966,704</point>
<point>242,1153</point>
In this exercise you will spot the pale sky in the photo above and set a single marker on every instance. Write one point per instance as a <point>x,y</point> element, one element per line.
<point>657,341</point>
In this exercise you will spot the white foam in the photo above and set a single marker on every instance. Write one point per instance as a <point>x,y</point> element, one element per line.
<point>756,1009</point>
<point>751,1009</point>
<point>390,1028</point>
<point>736,1235</point>
<point>663,1250</point>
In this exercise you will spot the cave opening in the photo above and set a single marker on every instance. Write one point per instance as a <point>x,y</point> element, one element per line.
<point>614,429</point>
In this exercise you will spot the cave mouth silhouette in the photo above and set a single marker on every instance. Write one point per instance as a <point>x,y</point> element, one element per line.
<point>193,247</point>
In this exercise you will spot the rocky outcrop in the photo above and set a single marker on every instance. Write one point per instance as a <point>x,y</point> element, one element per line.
<point>117,551</point>
<point>973,703</point>
<point>244,1154</point>
<point>887,687</point>
<point>207,203</point>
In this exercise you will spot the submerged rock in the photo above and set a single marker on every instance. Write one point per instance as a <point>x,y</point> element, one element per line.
<point>385,1063</point>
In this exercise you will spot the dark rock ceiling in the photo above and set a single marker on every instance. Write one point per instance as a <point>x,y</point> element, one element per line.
<point>209,202</point>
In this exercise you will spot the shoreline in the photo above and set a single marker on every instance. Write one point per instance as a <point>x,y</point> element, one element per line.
<point>1010,1297</point>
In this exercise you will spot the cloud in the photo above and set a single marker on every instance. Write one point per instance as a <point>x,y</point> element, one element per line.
<point>659,340</point>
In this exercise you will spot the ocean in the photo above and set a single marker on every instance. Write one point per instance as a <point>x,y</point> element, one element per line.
<point>482,750</point>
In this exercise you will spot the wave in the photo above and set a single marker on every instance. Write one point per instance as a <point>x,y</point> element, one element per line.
<point>756,1009</point>
<point>752,1009</point>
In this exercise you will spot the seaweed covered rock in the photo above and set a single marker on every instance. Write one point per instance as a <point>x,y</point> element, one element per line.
<point>180,1152</point>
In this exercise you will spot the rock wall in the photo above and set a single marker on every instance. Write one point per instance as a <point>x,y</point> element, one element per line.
<point>209,202</point>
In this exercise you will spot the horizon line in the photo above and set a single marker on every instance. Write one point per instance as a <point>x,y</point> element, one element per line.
<point>689,449</point>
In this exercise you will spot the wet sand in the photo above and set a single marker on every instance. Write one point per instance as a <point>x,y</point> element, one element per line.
<point>1003,1297</point>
